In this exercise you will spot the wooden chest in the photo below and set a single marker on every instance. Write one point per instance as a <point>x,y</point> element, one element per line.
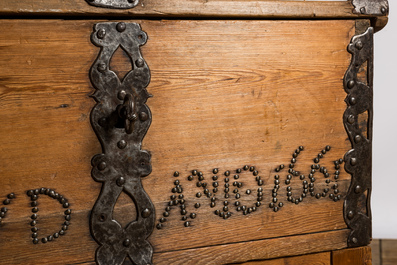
<point>186,132</point>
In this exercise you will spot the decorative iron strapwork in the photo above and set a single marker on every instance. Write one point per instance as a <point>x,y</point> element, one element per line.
<point>358,160</point>
<point>121,119</point>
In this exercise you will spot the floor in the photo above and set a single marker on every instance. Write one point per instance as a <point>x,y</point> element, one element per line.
<point>384,252</point>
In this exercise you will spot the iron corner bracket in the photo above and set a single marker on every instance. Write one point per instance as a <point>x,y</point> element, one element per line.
<point>120,120</point>
<point>357,210</point>
<point>116,4</point>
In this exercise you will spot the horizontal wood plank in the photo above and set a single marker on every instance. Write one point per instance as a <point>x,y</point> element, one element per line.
<point>187,8</point>
<point>323,258</point>
<point>352,256</point>
<point>226,94</point>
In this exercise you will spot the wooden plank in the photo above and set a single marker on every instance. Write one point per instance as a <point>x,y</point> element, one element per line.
<point>226,94</point>
<point>352,256</point>
<point>262,249</point>
<point>389,252</point>
<point>312,259</point>
<point>187,8</point>
<point>375,247</point>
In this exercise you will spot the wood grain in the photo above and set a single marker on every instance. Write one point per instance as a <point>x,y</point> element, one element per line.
<point>323,258</point>
<point>226,94</point>
<point>187,8</point>
<point>352,256</point>
<point>262,249</point>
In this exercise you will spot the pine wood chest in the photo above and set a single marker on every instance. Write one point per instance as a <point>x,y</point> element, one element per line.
<point>186,132</point>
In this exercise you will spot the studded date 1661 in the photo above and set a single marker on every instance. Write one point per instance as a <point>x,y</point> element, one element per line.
<point>227,192</point>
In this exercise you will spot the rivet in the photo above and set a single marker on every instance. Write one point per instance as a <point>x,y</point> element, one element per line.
<point>353,161</point>
<point>34,216</point>
<point>194,172</point>
<point>197,205</point>
<point>101,166</point>
<point>357,189</point>
<point>126,242</point>
<point>139,62</point>
<point>362,10</point>
<point>121,94</point>
<point>101,67</point>
<point>238,170</point>
<point>146,213</point>
<point>6,201</point>
<point>359,45</point>
<point>121,144</point>
<point>101,33</point>
<point>246,167</point>
<point>44,240</point>
<point>357,138</point>
<point>11,196</point>
<point>187,223</point>
<point>66,205</point>
<point>215,171</point>
<point>351,84</point>
<point>352,101</point>
<point>327,148</point>
<point>35,240</point>
<point>192,215</point>
<point>50,238</point>
<point>252,168</point>
<point>383,10</point>
<point>350,119</point>
<point>350,215</point>
<point>354,240</point>
<point>159,226</point>
<point>120,181</point>
<point>176,174</point>
<point>120,26</point>
<point>227,173</point>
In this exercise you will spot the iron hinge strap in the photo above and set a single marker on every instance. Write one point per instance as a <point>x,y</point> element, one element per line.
<point>120,120</point>
<point>357,211</point>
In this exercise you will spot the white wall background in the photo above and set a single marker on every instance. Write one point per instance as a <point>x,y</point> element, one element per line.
<point>384,173</point>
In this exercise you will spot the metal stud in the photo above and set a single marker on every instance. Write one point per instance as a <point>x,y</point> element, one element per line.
<point>101,33</point>
<point>357,189</point>
<point>126,242</point>
<point>359,45</point>
<point>351,84</point>
<point>120,181</point>
<point>121,144</point>
<point>145,213</point>
<point>176,174</point>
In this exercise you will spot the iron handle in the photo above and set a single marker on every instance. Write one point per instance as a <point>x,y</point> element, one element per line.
<point>127,112</point>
